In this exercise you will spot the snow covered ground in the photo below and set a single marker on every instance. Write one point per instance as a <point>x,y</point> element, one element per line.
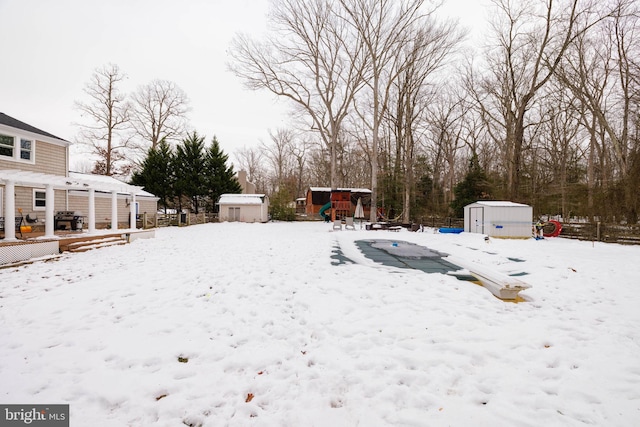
<point>251,324</point>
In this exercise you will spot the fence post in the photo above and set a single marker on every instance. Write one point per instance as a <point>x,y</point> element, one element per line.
<point>598,231</point>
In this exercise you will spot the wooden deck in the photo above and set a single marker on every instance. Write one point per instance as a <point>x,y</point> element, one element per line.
<point>34,245</point>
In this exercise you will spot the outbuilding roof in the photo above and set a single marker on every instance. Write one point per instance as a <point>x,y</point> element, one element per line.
<point>241,199</point>
<point>328,189</point>
<point>498,203</point>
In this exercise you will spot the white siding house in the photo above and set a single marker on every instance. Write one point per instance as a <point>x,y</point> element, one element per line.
<point>499,219</point>
<point>244,208</point>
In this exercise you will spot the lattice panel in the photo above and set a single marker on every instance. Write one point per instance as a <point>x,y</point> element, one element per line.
<point>24,251</point>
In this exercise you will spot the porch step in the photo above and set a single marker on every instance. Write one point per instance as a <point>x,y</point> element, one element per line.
<point>93,243</point>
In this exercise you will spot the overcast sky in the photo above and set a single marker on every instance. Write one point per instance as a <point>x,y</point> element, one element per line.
<point>50,49</point>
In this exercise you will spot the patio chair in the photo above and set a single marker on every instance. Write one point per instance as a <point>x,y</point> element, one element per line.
<point>348,223</point>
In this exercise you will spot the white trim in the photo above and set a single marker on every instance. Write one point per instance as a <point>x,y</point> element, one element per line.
<point>39,208</point>
<point>17,147</point>
<point>36,179</point>
<point>33,135</point>
<point>105,195</point>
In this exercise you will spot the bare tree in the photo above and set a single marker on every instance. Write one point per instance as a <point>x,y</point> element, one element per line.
<point>416,88</point>
<point>387,28</point>
<point>159,112</point>
<point>446,135</point>
<point>299,151</point>
<point>312,59</point>
<point>603,73</point>
<point>108,120</point>
<point>251,159</point>
<point>278,153</point>
<point>531,40</point>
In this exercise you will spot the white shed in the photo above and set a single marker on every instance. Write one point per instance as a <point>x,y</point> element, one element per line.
<point>244,208</point>
<point>499,219</point>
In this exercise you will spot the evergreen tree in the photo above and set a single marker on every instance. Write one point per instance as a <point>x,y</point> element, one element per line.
<point>189,165</point>
<point>220,178</point>
<point>474,187</point>
<point>279,208</point>
<point>157,174</point>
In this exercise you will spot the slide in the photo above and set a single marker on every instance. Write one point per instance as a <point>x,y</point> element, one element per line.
<point>323,210</point>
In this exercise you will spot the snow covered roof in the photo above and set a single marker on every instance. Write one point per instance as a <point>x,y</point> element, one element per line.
<point>71,182</point>
<point>106,180</point>
<point>241,199</point>
<point>328,189</point>
<point>498,203</point>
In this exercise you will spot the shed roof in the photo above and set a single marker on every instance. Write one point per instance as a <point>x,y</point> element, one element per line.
<point>499,203</point>
<point>328,189</point>
<point>241,199</point>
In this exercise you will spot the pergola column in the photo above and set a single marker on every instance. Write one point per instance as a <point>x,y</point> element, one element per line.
<point>114,210</point>
<point>49,223</point>
<point>10,211</point>
<point>91,227</point>
<point>132,212</point>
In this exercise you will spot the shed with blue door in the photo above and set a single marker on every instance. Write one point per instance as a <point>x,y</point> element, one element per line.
<point>499,219</point>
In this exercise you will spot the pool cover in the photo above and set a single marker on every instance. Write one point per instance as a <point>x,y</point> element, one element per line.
<point>401,254</point>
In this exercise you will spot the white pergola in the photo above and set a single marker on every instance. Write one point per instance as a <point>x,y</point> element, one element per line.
<point>12,178</point>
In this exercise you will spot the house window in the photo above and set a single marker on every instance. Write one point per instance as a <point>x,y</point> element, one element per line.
<point>17,148</point>
<point>6,145</point>
<point>26,149</point>
<point>39,200</point>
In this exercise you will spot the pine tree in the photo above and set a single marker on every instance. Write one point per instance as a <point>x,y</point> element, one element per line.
<point>220,178</point>
<point>189,164</point>
<point>157,174</point>
<point>474,187</point>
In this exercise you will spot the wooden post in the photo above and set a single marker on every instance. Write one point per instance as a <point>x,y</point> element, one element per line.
<point>598,231</point>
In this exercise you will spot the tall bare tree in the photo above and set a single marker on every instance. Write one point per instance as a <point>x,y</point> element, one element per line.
<point>429,50</point>
<point>387,28</point>
<point>531,39</point>
<point>312,58</point>
<point>603,73</point>
<point>278,153</point>
<point>108,121</point>
<point>160,112</point>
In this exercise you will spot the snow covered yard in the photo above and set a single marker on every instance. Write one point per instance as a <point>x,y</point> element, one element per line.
<point>251,324</point>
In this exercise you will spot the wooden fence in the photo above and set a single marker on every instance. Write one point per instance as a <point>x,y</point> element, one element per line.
<point>602,232</point>
<point>145,221</point>
<point>591,231</point>
<point>437,222</point>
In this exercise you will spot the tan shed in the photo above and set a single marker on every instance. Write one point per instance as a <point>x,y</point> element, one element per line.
<point>243,208</point>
